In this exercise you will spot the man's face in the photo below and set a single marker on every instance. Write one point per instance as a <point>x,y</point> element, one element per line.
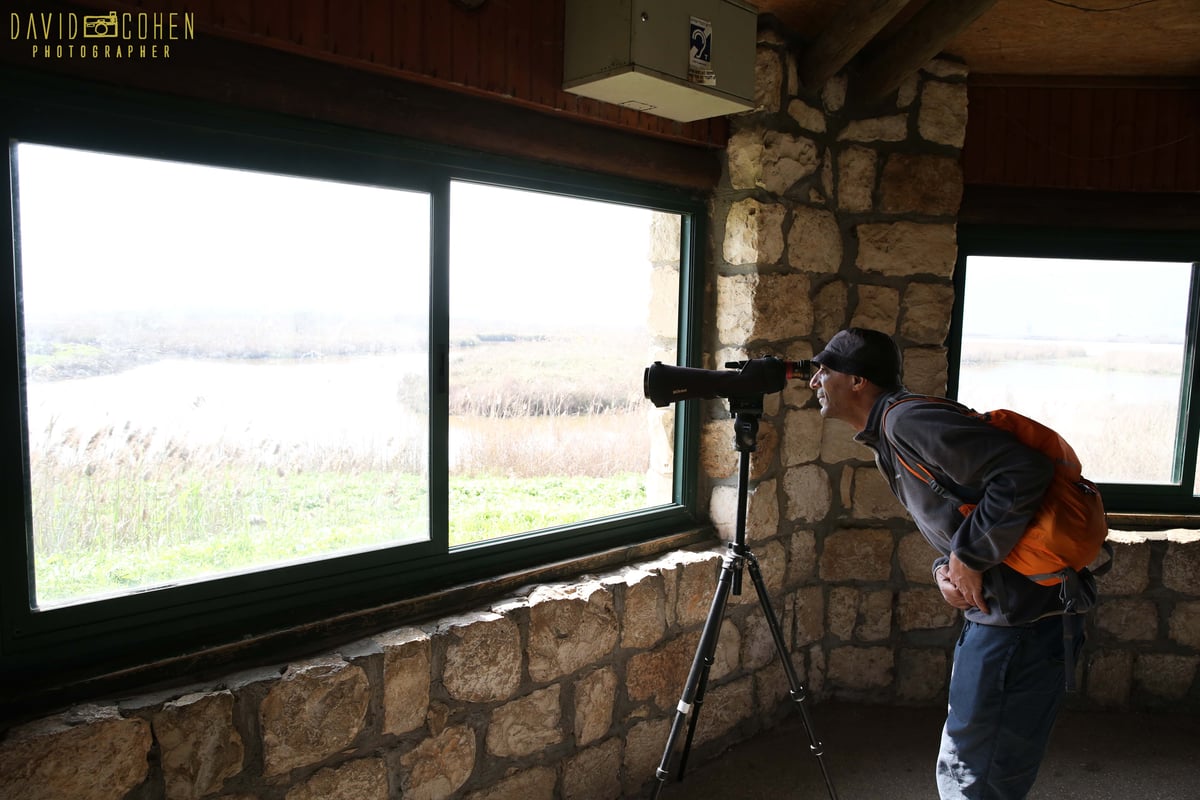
<point>833,392</point>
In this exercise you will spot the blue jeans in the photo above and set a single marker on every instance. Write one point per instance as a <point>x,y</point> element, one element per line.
<point>1005,690</point>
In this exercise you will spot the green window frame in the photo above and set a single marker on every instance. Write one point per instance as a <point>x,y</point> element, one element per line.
<point>1138,294</point>
<point>77,641</point>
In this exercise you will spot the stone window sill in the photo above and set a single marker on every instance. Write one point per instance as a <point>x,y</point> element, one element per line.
<point>1137,528</point>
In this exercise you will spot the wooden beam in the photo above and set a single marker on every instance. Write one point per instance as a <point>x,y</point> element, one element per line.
<point>922,38</point>
<point>856,24</point>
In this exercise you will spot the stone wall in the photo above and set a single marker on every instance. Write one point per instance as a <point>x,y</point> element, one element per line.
<point>827,216</point>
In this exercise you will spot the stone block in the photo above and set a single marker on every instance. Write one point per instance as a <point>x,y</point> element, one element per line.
<point>665,230</point>
<point>697,582</point>
<point>644,746</point>
<point>763,308</point>
<point>905,249</point>
<point>718,458</point>
<point>536,783</point>
<point>926,311</point>
<point>814,241</point>
<point>857,554</point>
<point>758,645</point>
<point>809,493</point>
<point>664,302</point>
<point>768,79</point>
<point>925,609</point>
<point>787,159</point>
<point>725,707</point>
<point>906,93</point>
<point>772,563</point>
<point>922,676</point>
<point>645,619</point>
<point>802,557</point>
<point>88,753</point>
<point>200,747</point>
<point>483,657</point>
<point>743,152</point>
<point>753,235</point>
<point>807,117</point>
<point>922,184</point>
<point>406,679</point>
<point>874,621</point>
<point>808,606</point>
<point>943,115</point>
<point>861,667</point>
<point>801,436</point>
<point>1166,677</point>
<point>1110,678</point>
<point>925,370</point>
<point>1181,568</point>
<point>1184,624</point>
<point>892,128</point>
<point>762,512</point>
<point>842,612</point>
<point>595,699</point>
<point>829,309</point>
<point>771,687</point>
<point>364,779</point>
<point>594,773</point>
<point>916,556</point>
<point>878,307</point>
<point>856,168</point>
<point>438,766</point>
<point>570,626</point>
<point>526,725</point>
<point>659,676</point>
<point>946,68</point>
<point>838,445</point>
<point>1128,620</point>
<point>316,709</point>
<point>833,93</point>
<point>1130,573</point>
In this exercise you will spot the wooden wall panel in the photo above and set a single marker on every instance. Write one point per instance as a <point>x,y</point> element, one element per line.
<point>510,50</point>
<point>1132,138</point>
<point>513,49</point>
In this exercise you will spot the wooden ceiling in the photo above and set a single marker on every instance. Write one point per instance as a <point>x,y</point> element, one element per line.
<point>1103,38</point>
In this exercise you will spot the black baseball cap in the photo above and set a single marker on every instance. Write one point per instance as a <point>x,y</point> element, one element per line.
<point>864,352</point>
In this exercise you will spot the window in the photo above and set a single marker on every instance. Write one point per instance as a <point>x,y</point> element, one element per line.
<point>224,370</point>
<point>1095,335</point>
<point>273,372</point>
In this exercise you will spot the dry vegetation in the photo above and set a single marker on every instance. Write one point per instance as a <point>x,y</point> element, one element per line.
<point>537,439</point>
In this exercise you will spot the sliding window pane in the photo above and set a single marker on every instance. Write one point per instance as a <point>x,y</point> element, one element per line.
<point>1095,349</point>
<point>557,305</point>
<point>224,370</point>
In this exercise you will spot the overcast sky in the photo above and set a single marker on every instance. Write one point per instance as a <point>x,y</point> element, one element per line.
<point>1071,299</point>
<point>103,231</point>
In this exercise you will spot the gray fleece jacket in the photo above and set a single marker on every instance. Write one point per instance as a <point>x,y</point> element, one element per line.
<point>976,463</point>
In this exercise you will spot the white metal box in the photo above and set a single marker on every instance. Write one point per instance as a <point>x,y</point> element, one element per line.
<point>680,59</point>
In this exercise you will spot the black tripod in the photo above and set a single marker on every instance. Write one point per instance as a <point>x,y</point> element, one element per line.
<point>746,413</point>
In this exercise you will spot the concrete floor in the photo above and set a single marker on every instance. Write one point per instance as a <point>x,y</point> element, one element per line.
<point>885,753</point>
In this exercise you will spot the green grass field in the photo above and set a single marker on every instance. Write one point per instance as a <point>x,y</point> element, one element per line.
<point>537,440</point>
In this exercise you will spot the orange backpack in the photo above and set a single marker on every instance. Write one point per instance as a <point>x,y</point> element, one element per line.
<point>1069,528</point>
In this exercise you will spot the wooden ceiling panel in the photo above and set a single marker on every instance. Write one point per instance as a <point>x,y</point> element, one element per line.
<point>1115,38</point>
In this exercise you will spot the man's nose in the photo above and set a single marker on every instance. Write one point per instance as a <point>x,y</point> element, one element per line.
<point>814,380</point>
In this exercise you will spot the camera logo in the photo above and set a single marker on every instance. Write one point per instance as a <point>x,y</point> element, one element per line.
<point>96,26</point>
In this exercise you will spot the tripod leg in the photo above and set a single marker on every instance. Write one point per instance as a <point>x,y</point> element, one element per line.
<point>798,692</point>
<point>698,675</point>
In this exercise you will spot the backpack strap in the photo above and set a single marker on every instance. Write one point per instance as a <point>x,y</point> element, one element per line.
<point>920,471</point>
